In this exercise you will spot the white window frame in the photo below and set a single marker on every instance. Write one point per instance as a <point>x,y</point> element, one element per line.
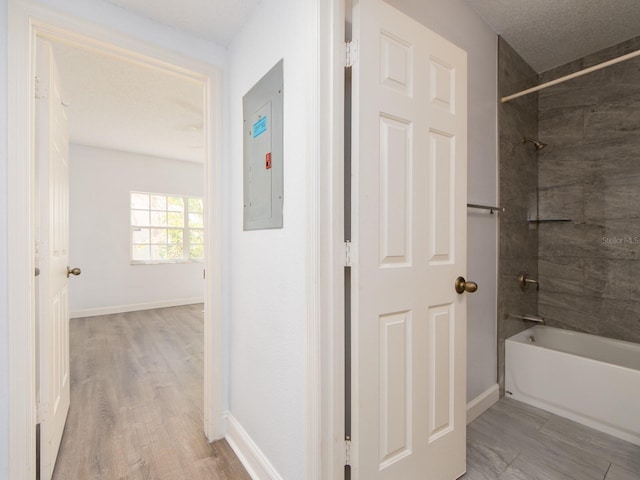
<point>186,244</point>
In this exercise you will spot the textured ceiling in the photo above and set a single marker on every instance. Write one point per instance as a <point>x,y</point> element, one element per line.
<point>117,104</point>
<point>548,33</point>
<point>214,20</point>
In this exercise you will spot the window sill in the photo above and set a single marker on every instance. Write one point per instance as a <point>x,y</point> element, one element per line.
<point>162,262</point>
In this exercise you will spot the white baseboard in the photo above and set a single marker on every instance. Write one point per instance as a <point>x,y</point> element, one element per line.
<point>258,466</point>
<point>482,402</point>
<point>255,462</point>
<point>94,312</point>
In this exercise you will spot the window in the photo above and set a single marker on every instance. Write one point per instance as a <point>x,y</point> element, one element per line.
<point>166,228</point>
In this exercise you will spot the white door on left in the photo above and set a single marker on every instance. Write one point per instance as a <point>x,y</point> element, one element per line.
<point>52,233</point>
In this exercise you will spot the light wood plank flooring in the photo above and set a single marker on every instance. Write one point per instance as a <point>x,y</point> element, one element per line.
<point>136,401</point>
<point>513,441</point>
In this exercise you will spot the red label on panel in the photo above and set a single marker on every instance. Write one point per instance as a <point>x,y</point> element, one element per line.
<point>267,164</point>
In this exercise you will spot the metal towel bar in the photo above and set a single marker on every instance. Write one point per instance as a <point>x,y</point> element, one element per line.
<point>530,318</point>
<point>486,207</point>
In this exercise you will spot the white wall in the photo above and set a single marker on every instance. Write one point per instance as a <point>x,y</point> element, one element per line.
<point>100,183</point>
<point>455,21</point>
<point>267,278</point>
<point>4,323</point>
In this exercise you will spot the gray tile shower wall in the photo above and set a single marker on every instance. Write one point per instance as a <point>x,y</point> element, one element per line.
<point>589,173</point>
<point>518,183</point>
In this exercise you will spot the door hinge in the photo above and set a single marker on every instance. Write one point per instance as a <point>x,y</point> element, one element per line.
<point>204,274</point>
<point>350,53</point>
<point>347,451</point>
<point>42,412</point>
<point>348,254</point>
<point>37,86</point>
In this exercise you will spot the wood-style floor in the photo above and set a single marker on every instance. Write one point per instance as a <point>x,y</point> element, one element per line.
<point>513,441</point>
<point>136,413</point>
<point>136,401</point>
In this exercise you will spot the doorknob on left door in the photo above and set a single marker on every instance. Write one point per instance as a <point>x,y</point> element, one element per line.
<point>73,271</point>
<point>463,286</point>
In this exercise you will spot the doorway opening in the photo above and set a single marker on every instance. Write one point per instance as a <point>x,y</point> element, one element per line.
<point>128,132</point>
<point>25,27</point>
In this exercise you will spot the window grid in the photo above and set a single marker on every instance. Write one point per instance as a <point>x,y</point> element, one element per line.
<point>166,228</point>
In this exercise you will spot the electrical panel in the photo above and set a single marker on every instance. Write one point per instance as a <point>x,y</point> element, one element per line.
<point>263,156</point>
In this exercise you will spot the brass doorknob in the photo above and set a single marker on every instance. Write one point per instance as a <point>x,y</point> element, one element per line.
<point>74,271</point>
<point>463,286</point>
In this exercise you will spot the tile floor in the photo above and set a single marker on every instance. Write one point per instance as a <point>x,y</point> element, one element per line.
<point>513,441</point>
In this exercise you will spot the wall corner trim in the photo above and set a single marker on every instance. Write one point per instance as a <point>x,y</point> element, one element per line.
<point>256,463</point>
<point>482,402</point>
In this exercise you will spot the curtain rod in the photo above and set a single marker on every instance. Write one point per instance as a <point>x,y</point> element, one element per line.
<point>572,75</point>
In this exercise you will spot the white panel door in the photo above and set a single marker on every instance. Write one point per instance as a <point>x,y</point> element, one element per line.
<point>409,214</point>
<point>52,151</point>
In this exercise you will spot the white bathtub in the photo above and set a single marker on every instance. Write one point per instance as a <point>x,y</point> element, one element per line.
<point>592,380</point>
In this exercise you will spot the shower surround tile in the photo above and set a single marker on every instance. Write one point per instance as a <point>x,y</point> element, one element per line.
<point>561,71</point>
<point>614,51</point>
<point>572,312</point>
<point>569,97</point>
<point>622,319</point>
<point>567,239</point>
<point>562,126</point>
<point>518,240</point>
<point>560,164</point>
<point>621,238</point>
<point>592,126</point>
<point>614,197</point>
<point>607,278</point>
<point>590,89</point>
<point>609,121</point>
<point>563,202</point>
<point>561,275</point>
<point>518,174</point>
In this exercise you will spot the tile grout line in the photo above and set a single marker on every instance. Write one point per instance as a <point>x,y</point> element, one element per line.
<point>598,455</point>
<point>511,462</point>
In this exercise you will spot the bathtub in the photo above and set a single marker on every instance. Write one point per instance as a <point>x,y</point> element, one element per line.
<point>589,379</point>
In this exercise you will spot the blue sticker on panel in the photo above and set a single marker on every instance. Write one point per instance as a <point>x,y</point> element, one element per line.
<point>260,127</point>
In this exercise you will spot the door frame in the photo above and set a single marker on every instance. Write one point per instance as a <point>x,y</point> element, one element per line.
<point>26,21</point>
<point>326,336</point>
